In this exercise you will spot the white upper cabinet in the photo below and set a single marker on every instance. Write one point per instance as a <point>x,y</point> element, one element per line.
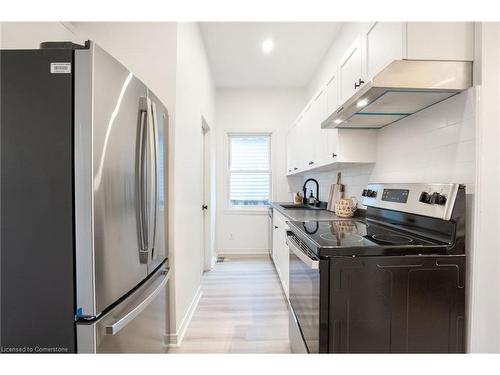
<point>440,41</point>
<point>306,139</point>
<point>332,94</point>
<point>351,70</point>
<point>290,149</point>
<point>383,43</point>
<point>322,137</point>
<point>294,142</point>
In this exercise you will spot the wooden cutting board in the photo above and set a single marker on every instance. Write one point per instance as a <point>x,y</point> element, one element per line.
<point>336,193</point>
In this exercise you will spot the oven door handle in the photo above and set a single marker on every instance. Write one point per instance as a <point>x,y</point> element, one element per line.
<point>311,263</point>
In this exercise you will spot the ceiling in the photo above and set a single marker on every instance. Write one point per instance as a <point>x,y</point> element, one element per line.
<point>237,61</point>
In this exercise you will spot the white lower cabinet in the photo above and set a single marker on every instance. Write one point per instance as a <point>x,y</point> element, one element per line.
<point>280,249</point>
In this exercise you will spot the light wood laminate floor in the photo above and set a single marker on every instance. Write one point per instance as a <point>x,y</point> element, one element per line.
<point>242,310</point>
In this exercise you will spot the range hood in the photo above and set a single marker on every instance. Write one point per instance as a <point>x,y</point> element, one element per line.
<point>401,89</point>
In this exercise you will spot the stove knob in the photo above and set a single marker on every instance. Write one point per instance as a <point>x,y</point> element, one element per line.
<point>434,198</point>
<point>372,193</point>
<point>441,199</point>
<point>437,198</point>
<point>365,193</point>
<point>424,197</point>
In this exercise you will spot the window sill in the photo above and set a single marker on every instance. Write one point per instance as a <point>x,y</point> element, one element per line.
<point>246,211</point>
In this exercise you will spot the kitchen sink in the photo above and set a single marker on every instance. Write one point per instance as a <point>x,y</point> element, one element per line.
<point>300,207</point>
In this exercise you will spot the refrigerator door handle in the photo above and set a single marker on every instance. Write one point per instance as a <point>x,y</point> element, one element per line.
<point>154,179</point>
<point>121,322</point>
<point>142,185</point>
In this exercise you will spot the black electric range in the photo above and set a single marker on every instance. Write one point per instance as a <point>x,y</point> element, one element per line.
<point>392,282</point>
<point>357,237</point>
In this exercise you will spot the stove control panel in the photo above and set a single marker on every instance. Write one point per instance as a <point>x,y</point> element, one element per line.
<point>435,200</point>
<point>369,193</point>
<point>395,195</point>
<point>432,198</point>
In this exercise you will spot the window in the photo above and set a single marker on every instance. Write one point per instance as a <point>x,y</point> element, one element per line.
<point>249,169</point>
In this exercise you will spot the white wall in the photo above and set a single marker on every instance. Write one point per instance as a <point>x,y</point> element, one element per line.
<point>195,96</point>
<point>146,48</point>
<point>29,35</point>
<point>245,110</point>
<point>484,334</point>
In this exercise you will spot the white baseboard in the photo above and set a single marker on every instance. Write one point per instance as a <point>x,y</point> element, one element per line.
<point>242,252</point>
<point>175,339</point>
<point>212,264</point>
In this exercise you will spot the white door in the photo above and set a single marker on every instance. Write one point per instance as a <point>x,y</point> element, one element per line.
<point>320,136</point>
<point>306,139</point>
<point>295,147</point>
<point>332,94</point>
<point>332,104</point>
<point>384,43</point>
<point>351,71</point>
<point>289,151</point>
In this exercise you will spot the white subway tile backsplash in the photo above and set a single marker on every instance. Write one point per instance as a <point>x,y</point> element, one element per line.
<point>462,107</point>
<point>434,145</point>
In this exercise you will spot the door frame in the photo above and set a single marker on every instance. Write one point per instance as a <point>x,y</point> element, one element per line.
<point>208,215</point>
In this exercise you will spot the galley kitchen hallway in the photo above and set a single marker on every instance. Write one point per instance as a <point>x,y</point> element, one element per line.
<point>242,310</point>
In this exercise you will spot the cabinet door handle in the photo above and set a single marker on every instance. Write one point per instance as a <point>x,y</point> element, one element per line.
<point>311,163</point>
<point>275,227</point>
<point>334,155</point>
<point>295,168</point>
<point>358,84</point>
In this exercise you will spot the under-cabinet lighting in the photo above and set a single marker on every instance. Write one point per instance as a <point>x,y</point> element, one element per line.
<point>337,121</point>
<point>362,103</point>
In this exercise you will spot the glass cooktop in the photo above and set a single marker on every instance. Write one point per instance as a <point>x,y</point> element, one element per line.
<point>353,233</point>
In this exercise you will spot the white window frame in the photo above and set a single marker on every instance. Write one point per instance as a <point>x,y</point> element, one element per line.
<point>232,209</point>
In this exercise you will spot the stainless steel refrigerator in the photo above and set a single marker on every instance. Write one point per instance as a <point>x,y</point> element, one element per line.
<point>83,207</point>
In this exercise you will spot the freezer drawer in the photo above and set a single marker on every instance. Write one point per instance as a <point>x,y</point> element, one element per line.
<point>139,324</point>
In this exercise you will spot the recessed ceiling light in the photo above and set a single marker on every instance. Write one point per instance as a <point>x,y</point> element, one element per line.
<point>337,121</point>
<point>362,103</point>
<point>267,46</point>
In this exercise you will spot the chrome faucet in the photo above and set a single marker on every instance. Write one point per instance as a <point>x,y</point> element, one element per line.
<point>304,190</point>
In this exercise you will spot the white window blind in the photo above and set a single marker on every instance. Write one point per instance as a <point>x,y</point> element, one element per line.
<point>249,169</point>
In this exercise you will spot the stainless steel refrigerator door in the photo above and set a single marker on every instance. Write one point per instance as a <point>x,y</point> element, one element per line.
<point>139,324</point>
<point>159,126</point>
<point>109,113</point>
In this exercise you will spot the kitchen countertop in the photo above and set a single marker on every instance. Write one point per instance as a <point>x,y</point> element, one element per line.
<point>303,214</point>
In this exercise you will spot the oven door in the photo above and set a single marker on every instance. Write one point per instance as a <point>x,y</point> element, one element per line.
<point>304,292</point>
